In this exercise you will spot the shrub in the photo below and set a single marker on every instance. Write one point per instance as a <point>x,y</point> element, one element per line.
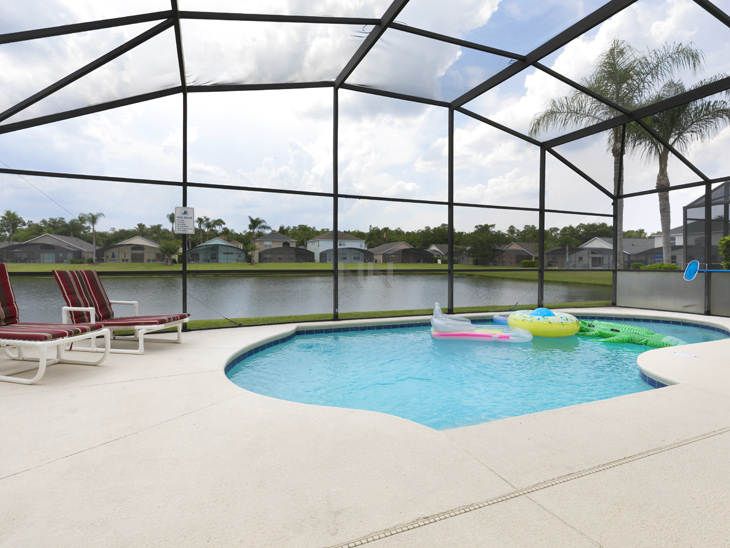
<point>724,246</point>
<point>637,266</point>
<point>660,266</point>
<point>529,264</point>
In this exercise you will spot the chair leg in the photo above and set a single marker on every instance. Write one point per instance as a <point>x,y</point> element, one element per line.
<point>41,366</point>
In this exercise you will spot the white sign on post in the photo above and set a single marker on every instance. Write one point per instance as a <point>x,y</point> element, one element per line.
<point>184,220</point>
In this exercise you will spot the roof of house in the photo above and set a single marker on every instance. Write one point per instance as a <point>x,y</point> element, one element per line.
<point>527,247</point>
<point>440,248</point>
<point>384,248</point>
<point>340,236</point>
<point>135,240</point>
<point>215,241</point>
<point>69,242</point>
<point>358,249</point>
<point>678,229</point>
<point>638,245</point>
<point>275,237</point>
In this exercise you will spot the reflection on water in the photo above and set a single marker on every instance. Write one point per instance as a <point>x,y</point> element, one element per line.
<point>213,297</point>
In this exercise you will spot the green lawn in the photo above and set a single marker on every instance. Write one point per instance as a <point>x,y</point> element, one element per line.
<point>233,322</point>
<point>564,276</point>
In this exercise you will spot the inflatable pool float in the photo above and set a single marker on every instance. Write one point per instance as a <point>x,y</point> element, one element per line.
<point>501,318</point>
<point>620,333</point>
<point>542,322</point>
<point>454,328</point>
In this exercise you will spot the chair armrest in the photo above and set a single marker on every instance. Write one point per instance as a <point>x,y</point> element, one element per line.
<point>135,304</point>
<point>66,309</point>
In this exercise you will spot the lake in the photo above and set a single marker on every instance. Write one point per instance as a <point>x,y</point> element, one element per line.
<point>215,297</point>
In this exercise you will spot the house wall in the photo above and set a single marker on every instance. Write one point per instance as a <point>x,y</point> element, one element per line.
<point>282,254</point>
<point>133,254</point>
<point>262,245</point>
<point>584,258</point>
<point>217,254</point>
<point>379,257</point>
<point>40,253</point>
<point>347,255</point>
<point>319,246</point>
<point>408,255</point>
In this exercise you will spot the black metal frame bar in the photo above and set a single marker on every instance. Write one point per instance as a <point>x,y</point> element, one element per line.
<point>174,17</point>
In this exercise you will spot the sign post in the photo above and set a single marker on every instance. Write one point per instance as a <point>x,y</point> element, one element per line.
<point>184,220</point>
<point>184,224</point>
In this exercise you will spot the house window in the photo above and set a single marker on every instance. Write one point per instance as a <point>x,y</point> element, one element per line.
<point>673,240</point>
<point>341,244</point>
<point>267,245</point>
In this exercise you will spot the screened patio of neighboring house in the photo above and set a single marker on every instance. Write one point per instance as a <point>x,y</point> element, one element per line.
<point>348,116</point>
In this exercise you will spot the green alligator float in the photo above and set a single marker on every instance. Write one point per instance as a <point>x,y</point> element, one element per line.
<point>620,333</point>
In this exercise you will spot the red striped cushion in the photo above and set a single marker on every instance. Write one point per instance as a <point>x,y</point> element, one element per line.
<point>44,331</point>
<point>83,288</point>
<point>104,310</point>
<point>144,320</point>
<point>8,306</point>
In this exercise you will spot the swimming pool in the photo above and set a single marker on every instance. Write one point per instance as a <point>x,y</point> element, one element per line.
<point>446,384</point>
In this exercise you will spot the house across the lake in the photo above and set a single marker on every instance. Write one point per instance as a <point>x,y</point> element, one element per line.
<point>48,248</point>
<point>271,241</point>
<point>325,242</point>
<point>136,249</point>
<point>216,250</point>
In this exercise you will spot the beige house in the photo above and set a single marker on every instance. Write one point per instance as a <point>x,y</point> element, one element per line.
<point>272,240</point>
<point>378,251</point>
<point>134,250</point>
<point>514,253</point>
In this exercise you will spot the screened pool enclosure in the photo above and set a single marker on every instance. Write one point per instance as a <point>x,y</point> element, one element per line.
<point>544,153</point>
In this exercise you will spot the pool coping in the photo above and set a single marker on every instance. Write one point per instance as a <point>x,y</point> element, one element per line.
<point>650,370</point>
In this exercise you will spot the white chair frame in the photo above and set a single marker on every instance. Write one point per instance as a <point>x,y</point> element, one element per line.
<point>43,360</point>
<point>139,330</point>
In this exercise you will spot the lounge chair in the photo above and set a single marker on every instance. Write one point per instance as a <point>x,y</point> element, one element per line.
<point>88,302</point>
<point>40,337</point>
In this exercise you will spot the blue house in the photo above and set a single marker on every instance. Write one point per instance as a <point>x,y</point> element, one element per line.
<point>216,250</point>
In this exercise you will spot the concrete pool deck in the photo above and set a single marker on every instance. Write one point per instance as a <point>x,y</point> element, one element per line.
<point>162,450</point>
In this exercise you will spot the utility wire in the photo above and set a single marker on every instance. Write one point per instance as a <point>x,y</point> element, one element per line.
<point>39,190</point>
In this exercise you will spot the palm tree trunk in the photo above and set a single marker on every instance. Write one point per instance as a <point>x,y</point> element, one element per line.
<point>662,183</point>
<point>618,180</point>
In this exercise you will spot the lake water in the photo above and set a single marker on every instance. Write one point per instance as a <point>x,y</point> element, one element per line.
<point>214,297</point>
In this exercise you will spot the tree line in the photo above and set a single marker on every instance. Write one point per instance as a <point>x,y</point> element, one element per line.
<point>478,243</point>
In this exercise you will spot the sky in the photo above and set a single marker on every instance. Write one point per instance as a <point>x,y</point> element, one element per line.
<point>283,139</point>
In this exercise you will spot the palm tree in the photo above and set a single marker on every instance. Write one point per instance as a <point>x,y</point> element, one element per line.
<point>202,221</point>
<point>92,219</point>
<point>257,226</point>
<point>141,227</point>
<point>679,127</point>
<point>171,218</point>
<point>10,221</point>
<point>626,77</point>
<point>217,225</point>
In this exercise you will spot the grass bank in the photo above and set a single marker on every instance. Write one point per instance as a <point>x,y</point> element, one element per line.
<point>284,269</point>
<point>269,320</point>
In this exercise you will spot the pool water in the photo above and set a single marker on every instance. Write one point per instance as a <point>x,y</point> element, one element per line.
<point>449,384</point>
